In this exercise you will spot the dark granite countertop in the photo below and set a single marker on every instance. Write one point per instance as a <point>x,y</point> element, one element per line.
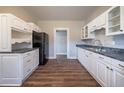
<point>24,50</point>
<point>115,53</point>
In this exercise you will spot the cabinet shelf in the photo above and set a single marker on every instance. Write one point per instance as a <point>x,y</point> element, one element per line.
<point>114,26</point>
<point>114,17</point>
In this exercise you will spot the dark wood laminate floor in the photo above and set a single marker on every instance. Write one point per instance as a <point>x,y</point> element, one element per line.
<point>61,73</point>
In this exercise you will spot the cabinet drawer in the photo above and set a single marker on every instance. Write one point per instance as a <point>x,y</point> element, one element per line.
<point>118,64</point>
<point>19,24</point>
<point>27,70</point>
<point>27,54</point>
<point>28,59</point>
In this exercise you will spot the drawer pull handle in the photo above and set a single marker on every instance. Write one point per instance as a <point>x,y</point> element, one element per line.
<point>86,55</point>
<point>101,57</point>
<point>29,70</point>
<point>28,60</point>
<point>121,65</point>
<point>111,69</point>
<point>107,67</point>
<point>28,54</point>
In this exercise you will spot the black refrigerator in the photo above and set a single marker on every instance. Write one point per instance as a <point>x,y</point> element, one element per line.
<point>41,41</point>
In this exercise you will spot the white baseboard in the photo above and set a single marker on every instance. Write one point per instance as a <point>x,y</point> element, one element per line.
<point>61,53</point>
<point>68,58</point>
<point>52,58</point>
<point>72,57</point>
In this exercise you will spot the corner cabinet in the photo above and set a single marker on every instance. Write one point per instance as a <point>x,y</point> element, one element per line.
<point>16,68</point>
<point>114,21</point>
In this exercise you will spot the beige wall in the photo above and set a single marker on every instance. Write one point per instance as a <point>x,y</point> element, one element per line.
<point>97,13</point>
<point>74,27</point>
<point>19,12</point>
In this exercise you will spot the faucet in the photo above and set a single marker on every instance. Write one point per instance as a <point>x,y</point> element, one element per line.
<point>97,42</point>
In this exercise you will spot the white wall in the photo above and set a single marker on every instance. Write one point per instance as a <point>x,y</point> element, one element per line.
<point>74,28</point>
<point>61,42</point>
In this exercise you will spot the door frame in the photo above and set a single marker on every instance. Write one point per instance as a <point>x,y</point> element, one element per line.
<point>67,30</point>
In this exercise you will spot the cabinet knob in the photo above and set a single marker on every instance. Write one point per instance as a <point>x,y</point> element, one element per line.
<point>111,69</point>
<point>86,55</point>
<point>101,57</point>
<point>25,29</point>
<point>121,65</point>
<point>121,30</point>
<point>107,67</point>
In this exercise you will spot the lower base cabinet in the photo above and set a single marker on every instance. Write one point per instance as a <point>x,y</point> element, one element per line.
<point>15,68</point>
<point>102,73</point>
<point>108,72</point>
<point>118,78</point>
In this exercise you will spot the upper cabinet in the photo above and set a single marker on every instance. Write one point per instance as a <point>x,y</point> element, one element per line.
<point>33,27</point>
<point>99,23</point>
<point>10,24</point>
<point>114,21</point>
<point>19,24</point>
<point>5,33</point>
<point>85,34</point>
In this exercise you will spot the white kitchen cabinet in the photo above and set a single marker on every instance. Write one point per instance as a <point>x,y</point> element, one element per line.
<point>85,34</point>
<point>86,59</point>
<point>9,23</point>
<point>92,25</point>
<point>97,23</point>
<point>35,58</point>
<point>33,27</point>
<point>82,57</point>
<point>118,79</point>
<point>19,24</point>
<point>114,21</point>
<point>101,21</point>
<point>107,71</point>
<point>92,63</point>
<point>0,69</point>
<point>5,33</point>
<point>102,73</point>
<point>15,68</point>
<point>10,70</point>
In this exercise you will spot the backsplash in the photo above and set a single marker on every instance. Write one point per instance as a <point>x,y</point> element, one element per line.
<point>21,45</point>
<point>109,41</point>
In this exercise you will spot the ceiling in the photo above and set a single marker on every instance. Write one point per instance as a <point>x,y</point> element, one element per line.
<point>61,12</point>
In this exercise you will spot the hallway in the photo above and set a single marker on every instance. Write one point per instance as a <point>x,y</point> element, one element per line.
<point>68,73</point>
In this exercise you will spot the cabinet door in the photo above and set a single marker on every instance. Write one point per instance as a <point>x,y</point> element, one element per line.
<point>11,70</point>
<point>80,55</point>
<point>114,21</point>
<point>93,64</point>
<point>102,73</point>
<point>0,69</point>
<point>36,58</point>
<point>10,66</point>
<point>5,33</point>
<point>118,78</point>
<point>19,24</point>
<point>101,20</point>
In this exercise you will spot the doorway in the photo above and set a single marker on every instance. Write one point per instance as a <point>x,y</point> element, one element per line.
<point>61,43</point>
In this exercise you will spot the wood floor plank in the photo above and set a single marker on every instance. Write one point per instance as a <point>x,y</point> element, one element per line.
<point>63,73</point>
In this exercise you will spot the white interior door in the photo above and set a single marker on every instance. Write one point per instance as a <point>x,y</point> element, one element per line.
<point>61,42</point>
